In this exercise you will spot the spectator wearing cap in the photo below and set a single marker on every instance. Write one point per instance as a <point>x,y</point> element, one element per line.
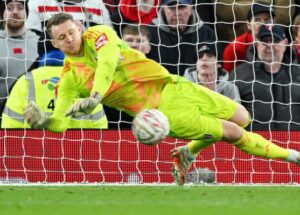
<point>209,72</point>
<point>41,86</point>
<point>231,16</point>
<point>269,86</point>
<point>235,52</point>
<point>175,35</point>
<point>18,45</point>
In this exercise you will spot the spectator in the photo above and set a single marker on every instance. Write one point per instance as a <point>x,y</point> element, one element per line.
<point>18,46</point>
<point>111,5</point>
<point>135,11</point>
<point>209,72</point>
<point>137,37</point>
<point>231,16</point>
<point>175,35</point>
<point>40,85</point>
<point>235,52</point>
<point>296,36</point>
<point>270,86</point>
<point>89,12</point>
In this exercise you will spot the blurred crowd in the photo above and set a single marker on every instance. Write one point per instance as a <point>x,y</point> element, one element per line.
<point>248,51</point>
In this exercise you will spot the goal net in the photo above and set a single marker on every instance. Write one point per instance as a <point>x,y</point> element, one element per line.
<point>114,156</point>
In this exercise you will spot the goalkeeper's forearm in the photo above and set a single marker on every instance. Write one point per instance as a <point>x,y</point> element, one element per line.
<point>84,106</point>
<point>58,124</point>
<point>38,119</point>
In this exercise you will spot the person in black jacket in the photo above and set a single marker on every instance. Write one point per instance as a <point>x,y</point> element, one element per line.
<point>269,84</point>
<point>175,34</point>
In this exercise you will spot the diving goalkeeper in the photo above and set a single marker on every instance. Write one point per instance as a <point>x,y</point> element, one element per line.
<point>101,68</point>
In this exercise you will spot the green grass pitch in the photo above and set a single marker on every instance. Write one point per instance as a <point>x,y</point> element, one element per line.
<point>150,200</point>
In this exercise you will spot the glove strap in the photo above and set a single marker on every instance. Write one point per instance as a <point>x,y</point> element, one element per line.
<point>97,96</point>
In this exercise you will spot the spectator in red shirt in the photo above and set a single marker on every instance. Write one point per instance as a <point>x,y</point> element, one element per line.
<point>235,52</point>
<point>135,12</point>
<point>139,11</point>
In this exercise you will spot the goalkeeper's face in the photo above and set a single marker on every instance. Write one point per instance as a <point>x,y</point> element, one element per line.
<point>67,37</point>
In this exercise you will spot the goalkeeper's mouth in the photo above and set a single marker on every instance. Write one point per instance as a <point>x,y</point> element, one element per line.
<point>71,47</point>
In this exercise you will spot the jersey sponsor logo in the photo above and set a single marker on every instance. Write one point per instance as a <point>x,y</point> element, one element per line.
<point>17,50</point>
<point>101,41</point>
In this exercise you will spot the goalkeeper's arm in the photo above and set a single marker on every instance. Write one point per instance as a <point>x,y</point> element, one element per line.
<point>67,93</point>
<point>58,122</point>
<point>108,57</point>
<point>38,119</point>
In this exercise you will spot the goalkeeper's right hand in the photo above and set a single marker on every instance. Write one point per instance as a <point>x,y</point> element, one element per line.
<point>83,107</point>
<point>35,117</point>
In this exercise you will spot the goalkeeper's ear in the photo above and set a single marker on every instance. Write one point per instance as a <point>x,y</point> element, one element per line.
<point>80,26</point>
<point>53,43</point>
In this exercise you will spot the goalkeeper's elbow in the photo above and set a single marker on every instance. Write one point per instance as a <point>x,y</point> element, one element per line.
<point>59,129</point>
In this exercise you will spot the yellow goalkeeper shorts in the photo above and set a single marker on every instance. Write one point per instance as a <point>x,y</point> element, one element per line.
<point>194,111</point>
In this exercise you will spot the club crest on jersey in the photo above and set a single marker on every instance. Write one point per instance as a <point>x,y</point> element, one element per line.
<point>101,41</point>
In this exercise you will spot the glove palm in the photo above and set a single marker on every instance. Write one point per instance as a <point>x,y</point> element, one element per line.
<point>35,117</point>
<point>83,107</point>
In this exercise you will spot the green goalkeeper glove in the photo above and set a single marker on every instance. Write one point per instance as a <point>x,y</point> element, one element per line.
<point>84,106</point>
<point>35,117</point>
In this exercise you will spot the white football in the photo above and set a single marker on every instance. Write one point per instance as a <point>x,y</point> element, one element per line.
<point>150,126</point>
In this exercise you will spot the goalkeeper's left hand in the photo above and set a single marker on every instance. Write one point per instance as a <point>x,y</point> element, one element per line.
<point>84,106</point>
<point>36,117</point>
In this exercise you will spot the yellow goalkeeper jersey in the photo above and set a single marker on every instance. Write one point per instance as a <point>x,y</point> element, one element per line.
<point>124,77</point>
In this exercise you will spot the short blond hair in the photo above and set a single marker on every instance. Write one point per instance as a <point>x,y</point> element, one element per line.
<point>136,30</point>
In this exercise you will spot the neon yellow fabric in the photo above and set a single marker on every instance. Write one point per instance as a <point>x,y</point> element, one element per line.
<point>255,144</point>
<point>194,111</point>
<point>45,81</point>
<point>195,146</point>
<point>124,77</point>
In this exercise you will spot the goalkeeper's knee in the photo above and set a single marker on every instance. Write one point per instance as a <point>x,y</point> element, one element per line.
<point>241,117</point>
<point>231,131</point>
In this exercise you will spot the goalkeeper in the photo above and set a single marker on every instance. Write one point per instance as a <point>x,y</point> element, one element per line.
<point>101,68</point>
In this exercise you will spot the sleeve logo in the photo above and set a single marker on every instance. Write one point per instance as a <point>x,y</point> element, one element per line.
<point>101,41</point>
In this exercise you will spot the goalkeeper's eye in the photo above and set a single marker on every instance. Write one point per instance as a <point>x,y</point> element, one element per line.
<point>62,37</point>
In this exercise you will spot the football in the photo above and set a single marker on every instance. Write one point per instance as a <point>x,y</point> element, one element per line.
<point>150,126</point>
